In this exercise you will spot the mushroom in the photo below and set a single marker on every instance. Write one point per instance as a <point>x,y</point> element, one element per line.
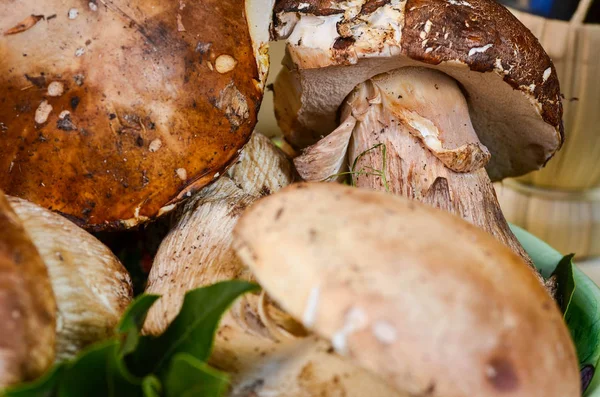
<point>91,286</point>
<point>137,104</point>
<point>267,352</point>
<point>432,304</point>
<point>27,305</point>
<point>430,94</point>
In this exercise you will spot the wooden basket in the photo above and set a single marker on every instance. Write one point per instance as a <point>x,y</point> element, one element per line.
<point>561,203</point>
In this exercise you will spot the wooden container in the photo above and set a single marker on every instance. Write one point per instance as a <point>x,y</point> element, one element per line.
<point>561,203</point>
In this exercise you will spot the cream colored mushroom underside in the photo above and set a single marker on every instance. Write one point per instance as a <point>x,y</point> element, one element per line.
<point>91,286</point>
<point>416,295</point>
<point>263,349</point>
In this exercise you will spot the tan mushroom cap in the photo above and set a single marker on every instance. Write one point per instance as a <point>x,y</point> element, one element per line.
<point>416,295</point>
<point>112,113</point>
<point>266,352</point>
<point>509,81</point>
<point>27,305</point>
<point>91,286</point>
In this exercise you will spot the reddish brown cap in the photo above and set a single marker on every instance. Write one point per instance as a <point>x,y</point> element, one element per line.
<point>111,111</point>
<point>514,96</point>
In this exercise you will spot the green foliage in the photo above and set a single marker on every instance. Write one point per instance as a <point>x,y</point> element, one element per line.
<point>131,364</point>
<point>579,298</point>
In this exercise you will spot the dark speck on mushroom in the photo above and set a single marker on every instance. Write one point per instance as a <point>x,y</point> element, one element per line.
<point>501,375</point>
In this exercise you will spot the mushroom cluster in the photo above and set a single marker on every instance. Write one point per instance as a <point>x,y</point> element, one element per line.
<point>119,112</point>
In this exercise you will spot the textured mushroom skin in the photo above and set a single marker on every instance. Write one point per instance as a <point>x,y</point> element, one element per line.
<point>329,53</point>
<point>27,306</point>
<point>481,21</point>
<point>91,286</point>
<point>151,115</point>
<point>418,296</point>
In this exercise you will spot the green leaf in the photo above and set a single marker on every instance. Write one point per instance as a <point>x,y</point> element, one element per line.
<point>582,313</point>
<point>99,371</point>
<point>193,329</point>
<point>132,322</point>
<point>44,386</point>
<point>151,386</point>
<point>566,282</point>
<point>188,377</point>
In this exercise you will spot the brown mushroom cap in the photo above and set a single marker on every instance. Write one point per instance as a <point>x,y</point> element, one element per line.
<point>418,296</point>
<point>27,306</point>
<point>509,81</point>
<point>91,286</point>
<point>112,112</point>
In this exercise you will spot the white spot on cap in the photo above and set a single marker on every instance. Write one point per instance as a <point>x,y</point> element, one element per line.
<point>56,88</point>
<point>225,63</point>
<point>532,87</point>
<point>64,114</point>
<point>181,173</point>
<point>165,209</point>
<point>460,3</point>
<point>428,26</point>
<point>312,304</point>
<point>356,319</point>
<point>93,6</point>
<point>547,74</point>
<point>216,175</point>
<point>73,13</point>
<point>303,6</point>
<point>384,332</point>
<point>155,145</point>
<point>428,50</point>
<point>477,50</point>
<point>42,112</point>
<point>79,52</point>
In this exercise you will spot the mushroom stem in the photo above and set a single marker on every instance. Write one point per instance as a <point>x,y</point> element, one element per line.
<point>409,132</point>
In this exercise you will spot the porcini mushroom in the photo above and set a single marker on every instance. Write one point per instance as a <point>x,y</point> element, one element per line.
<point>379,277</point>
<point>267,352</point>
<point>445,87</point>
<point>27,305</point>
<point>136,104</point>
<point>91,286</point>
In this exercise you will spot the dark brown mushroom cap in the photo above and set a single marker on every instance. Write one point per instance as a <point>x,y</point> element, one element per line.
<point>454,36</point>
<point>27,305</point>
<point>111,111</point>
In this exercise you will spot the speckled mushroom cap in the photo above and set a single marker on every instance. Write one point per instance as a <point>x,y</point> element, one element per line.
<point>420,297</point>
<point>111,111</point>
<point>509,81</point>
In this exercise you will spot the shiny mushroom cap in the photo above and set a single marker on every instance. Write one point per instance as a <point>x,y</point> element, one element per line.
<point>27,305</point>
<point>420,297</point>
<point>509,82</point>
<point>112,111</point>
<point>91,286</point>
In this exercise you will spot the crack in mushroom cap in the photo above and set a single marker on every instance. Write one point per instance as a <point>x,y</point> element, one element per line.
<point>509,81</point>
<point>416,295</point>
<point>130,79</point>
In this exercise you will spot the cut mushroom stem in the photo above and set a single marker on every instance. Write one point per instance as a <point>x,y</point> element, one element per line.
<point>413,125</point>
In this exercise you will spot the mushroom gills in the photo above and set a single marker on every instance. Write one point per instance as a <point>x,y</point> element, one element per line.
<point>408,132</point>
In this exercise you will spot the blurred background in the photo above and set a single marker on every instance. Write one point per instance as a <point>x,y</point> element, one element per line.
<point>561,203</point>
